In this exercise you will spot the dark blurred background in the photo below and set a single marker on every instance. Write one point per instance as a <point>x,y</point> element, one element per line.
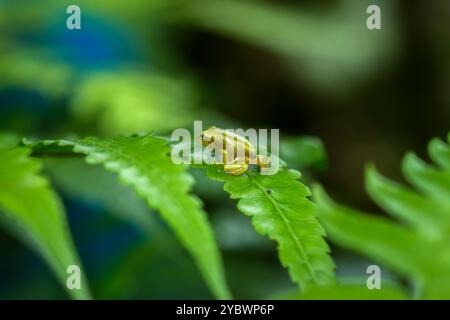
<point>306,67</point>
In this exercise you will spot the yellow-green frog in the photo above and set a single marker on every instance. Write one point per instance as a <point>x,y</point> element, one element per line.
<point>236,164</point>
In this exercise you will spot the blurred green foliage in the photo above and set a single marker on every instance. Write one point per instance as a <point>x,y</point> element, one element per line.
<point>34,213</point>
<point>406,249</point>
<point>304,152</point>
<point>20,68</point>
<point>129,102</point>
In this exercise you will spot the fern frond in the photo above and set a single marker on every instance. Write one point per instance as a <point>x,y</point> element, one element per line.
<point>440,153</point>
<point>375,237</point>
<point>420,250</point>
<point>431,181</point>
<point>142,163</point>
<point>417,210</point>
<point>281,210</point>
<point>35,214</point>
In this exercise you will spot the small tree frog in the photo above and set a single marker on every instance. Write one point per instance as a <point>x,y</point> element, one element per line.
<point>236,151</point>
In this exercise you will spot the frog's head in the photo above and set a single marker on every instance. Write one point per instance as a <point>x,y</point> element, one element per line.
<point>210,135</point>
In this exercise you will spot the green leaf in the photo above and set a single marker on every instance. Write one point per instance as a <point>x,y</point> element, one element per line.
<point>372,236</point>
<point>418,211</point>
<point>304,151</point>
<point>34,213</point>
<point>433,182</point>
<point>420,250</point>
<point>142,163</point>
<point>8,140</point>
<point>280,209</point>
<point>93,184</point>
<point>77,179</point>
<point>440,153</point>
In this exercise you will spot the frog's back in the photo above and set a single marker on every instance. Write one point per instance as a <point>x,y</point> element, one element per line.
<point>238,141</point>
<point>233,136</point>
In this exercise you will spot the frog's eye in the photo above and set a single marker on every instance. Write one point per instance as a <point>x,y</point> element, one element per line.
<point>213,138</point>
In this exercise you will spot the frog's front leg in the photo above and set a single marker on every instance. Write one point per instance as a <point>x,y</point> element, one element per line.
<point>263,161</point>
<point>220,157</point>
<point>236,167</point>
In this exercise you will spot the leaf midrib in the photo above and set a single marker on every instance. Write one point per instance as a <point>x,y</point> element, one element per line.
<point>280,212</point>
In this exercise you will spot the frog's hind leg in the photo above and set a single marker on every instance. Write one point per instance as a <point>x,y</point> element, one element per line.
<point>235,169</point>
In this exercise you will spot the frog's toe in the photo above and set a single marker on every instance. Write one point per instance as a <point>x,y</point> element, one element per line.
<point>263,161</point>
